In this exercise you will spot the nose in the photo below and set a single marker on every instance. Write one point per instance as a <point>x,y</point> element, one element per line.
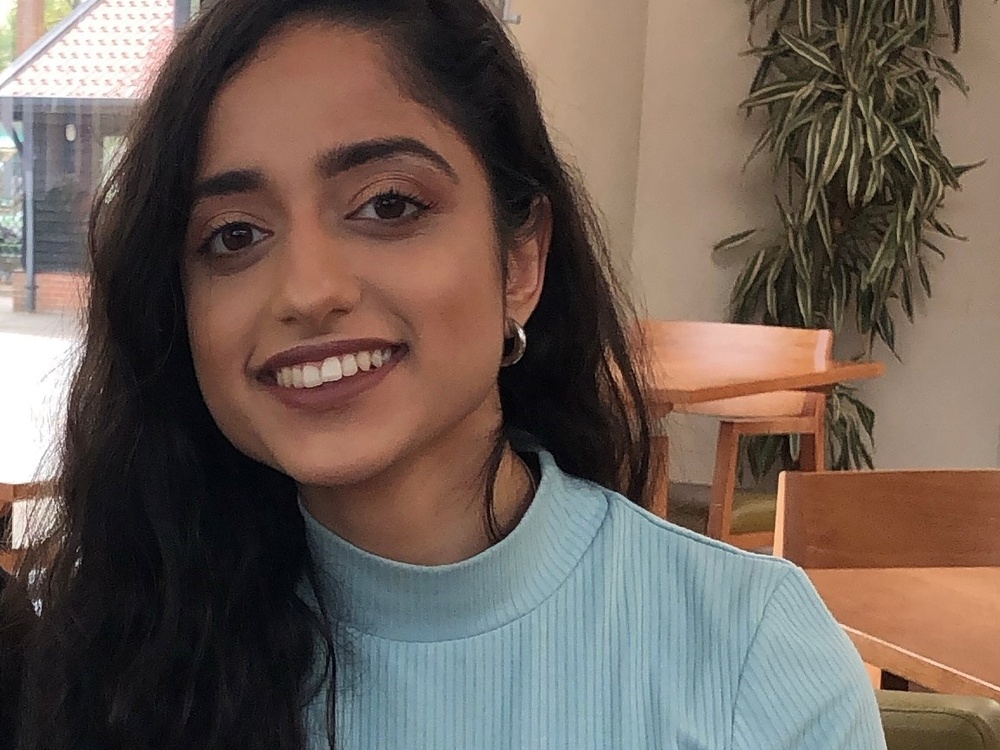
<point>315,279</point>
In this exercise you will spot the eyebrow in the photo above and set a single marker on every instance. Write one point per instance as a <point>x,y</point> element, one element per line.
<point>345,158</point>
<point>329,164</point>
<point>232,182</point>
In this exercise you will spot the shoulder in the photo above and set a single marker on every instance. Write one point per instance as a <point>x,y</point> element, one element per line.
<point>783,667</point>
<point>674,559</point>
<point>684,581</point>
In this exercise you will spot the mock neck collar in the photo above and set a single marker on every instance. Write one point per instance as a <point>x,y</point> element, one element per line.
<point>404,602</point>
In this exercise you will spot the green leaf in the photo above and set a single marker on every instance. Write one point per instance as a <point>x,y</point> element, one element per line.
<point>907,297</point>
<point>962,169</point>
<point>927,243</point>
<point>896,41</point>
<point>771,93</point>
<point>867,417</point>
<point>805,17</point>
<point>953,76</point>
<point>839,140</point>
<point>803,296</point>
<point>838,296</point>
<point>907,150</point>
<point>941,228</point>
<point>808,52</point>
<point>884,256</point>
<point>935,190</point>
<point>771,295</point>
<point>822,219</point>
<point>954,8</point>
<point>764,140</point>
<point>925,279</point>
<point>854,166</point>
<point>748,277</point>
<point>734,240</point>
<point>872,133</point>
<point>818,133</point>
<point>926,110</point>
<point>886,328</point>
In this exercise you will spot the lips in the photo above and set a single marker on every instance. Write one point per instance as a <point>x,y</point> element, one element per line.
<point>349,356</point>
<point>306,383</point>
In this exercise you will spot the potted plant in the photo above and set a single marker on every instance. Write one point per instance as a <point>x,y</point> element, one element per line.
<point>850,91</point>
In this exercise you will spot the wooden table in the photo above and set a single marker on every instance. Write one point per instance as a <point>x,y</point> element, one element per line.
<point>937,627</point>
<point>677,383</point>
<point>699,380</point>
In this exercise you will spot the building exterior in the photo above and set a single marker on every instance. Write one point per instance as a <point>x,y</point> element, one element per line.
<point>66,102</point>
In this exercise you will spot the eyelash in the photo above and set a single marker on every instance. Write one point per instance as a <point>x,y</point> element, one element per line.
<point>393,193</point>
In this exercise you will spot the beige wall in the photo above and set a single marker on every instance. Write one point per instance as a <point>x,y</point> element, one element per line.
<point>692,190</point>
<point>587,57</point>
<point>645,100</point>
<point>941,405</point>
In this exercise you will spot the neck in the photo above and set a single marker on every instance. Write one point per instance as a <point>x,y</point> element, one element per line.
<point>429,509</point>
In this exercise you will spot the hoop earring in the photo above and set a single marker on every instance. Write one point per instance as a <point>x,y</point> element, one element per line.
<point>518,346</point>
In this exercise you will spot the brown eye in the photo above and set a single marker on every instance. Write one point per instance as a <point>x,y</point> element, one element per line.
<point>233,238</point>
<point>389,207</point>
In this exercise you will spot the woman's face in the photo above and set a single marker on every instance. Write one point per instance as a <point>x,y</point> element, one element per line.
<point>342,269</point>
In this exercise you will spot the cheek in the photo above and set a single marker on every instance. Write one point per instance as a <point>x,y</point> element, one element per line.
<point>217,326</point>
<point>463,312</point>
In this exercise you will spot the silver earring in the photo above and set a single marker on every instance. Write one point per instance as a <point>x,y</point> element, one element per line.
<point>518,345</point>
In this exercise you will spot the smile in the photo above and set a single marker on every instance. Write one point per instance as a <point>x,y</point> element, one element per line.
<point>332,369</point>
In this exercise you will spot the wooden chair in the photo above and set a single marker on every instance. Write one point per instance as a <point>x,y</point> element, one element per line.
<point>889,519</point>
<point>756,351</point>
<point>9,494</point>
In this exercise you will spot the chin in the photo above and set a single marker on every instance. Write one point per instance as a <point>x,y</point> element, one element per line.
<point>334,467</point>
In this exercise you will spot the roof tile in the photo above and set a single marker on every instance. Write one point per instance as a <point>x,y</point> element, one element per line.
<point>111,52</point>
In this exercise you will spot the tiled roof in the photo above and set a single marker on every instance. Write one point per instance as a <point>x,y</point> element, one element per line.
<point>106,49</point>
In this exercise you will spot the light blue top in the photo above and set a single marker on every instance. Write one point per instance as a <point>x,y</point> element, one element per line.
<point>593,626</point>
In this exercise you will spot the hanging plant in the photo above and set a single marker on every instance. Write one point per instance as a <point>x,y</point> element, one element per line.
<point>851,94</point>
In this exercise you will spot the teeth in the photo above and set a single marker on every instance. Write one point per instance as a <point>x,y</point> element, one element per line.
<point>350,365</point>
<point>311,377</point>
<point>331,370</point>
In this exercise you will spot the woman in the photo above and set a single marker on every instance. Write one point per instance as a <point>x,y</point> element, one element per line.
<point>355,377</point>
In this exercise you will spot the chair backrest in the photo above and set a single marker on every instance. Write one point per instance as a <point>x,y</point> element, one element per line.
<point>927,721</point>
<point>740,348</point>
<point>25,491</point>
<point>889,519</point>
<point>693,347</point>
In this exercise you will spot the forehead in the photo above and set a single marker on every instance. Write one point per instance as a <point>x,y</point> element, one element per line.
<point>309,87</point>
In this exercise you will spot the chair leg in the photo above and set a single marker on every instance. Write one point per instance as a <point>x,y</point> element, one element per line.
<point>812,456</point>
<point>720,508</point>
<point>661,475</point>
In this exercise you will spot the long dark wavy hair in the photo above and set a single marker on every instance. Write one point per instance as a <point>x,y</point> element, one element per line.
<point>169,594</point>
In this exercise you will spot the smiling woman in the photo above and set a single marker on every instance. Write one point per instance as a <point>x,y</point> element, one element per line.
<point>357,452</point>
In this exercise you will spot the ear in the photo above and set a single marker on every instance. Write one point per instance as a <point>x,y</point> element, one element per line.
<point>526,262</point>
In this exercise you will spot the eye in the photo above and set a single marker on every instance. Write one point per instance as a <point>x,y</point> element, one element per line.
<point>234,237</point>
<point>391,206</point>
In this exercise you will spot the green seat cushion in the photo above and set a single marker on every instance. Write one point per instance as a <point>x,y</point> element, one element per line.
<point>753,511</point>
<point>926,721</point>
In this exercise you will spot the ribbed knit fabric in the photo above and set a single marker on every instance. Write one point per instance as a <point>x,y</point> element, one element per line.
<point>594,625</point>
